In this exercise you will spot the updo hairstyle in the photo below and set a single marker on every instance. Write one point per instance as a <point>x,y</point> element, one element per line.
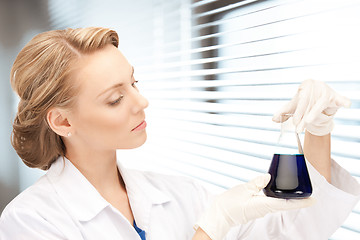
<point>42,77</point>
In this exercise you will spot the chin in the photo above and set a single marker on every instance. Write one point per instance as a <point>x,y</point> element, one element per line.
<point>140,144</point>
<point>135,144</point>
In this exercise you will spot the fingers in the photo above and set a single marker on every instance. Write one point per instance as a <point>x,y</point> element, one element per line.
<point>313,107</point>
<point>342,101</point>
<point>276,204</point>
<point>299,203</point>
<point>300,112</point>
<point>305,99</point>
<point>258,183</point>
<point>262,205</point>
<point>280,116</point>
<point>297,105</point>
<point>316,110</point>
<point>287,108</point>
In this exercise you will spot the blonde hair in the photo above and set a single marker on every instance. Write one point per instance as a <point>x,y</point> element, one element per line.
<point>41,76</point>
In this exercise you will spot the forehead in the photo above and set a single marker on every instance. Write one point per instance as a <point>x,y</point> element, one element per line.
<point>101,69</point>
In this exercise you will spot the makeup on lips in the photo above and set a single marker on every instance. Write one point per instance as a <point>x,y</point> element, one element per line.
<point>141,126</point>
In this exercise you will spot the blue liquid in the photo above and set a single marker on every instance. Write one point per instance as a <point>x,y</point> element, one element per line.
<point>289,177</point>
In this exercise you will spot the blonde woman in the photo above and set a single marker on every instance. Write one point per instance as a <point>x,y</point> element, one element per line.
<point>79,103</point>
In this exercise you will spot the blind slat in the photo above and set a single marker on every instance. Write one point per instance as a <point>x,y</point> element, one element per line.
<point>223,9</point>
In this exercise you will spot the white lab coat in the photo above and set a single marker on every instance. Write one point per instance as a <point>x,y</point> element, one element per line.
<point>64,205</point>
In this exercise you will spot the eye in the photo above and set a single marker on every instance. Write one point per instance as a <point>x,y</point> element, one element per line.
<point>116,102</point>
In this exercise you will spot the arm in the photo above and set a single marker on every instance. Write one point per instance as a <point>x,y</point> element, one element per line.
<point>334,201</point>
<point>200,235</point>
<point>313,108</point>
<point>240,205</point>
<point>317,152</point>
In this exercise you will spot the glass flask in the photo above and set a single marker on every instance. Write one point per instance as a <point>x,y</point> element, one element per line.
<point>289,175</point>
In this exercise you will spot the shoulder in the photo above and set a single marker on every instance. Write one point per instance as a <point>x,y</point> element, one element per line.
<point>33,197</point>
<point>30,195</point>
<point>162,180</point>
<point>170,195</point>
<point>173,185</point>
<point>28,213</point>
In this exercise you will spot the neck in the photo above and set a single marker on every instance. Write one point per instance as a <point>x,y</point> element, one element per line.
<point>99,168</point>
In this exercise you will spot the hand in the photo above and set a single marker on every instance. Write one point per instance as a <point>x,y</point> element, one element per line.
<point>314,107</point>
<point>242,204</point>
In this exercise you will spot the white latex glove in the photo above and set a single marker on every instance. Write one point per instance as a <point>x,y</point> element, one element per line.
<point>314,107</point>
<point>242,204</point>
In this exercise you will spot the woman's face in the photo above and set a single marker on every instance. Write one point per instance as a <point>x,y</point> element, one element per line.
<point>109,113</point>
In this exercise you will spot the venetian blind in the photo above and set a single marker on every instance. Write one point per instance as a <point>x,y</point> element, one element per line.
<point>215,71</point>
<point>214,94</point>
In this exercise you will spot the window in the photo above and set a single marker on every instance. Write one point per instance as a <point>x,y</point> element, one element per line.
<point>212,108</point>
<point>215,72</point>
<point>268,47</point>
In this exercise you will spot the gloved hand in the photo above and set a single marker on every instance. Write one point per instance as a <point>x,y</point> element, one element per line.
<point>314,107</point>
<point>242,204</point>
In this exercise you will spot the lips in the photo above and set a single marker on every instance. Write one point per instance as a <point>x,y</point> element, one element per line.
<point>139,127</point>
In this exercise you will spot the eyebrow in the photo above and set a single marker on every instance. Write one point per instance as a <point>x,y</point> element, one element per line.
<point>132,71</point>
<point>117,85</point>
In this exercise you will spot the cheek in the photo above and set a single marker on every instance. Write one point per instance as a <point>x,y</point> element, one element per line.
<point>101,123</point>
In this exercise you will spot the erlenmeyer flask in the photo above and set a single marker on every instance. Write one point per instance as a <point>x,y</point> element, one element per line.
<point>289,174</point>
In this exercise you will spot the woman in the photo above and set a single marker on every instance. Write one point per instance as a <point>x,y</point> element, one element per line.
<point>79,103</point>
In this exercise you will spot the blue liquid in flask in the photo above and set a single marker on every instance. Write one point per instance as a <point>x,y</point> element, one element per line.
<point>289,177</point>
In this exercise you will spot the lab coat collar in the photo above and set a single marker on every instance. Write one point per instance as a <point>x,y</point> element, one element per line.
<point>142,194</point>
<point>78,194</point>
<point>137,184</point>
<point>84,201</point>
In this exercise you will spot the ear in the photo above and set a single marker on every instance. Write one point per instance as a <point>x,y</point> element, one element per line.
<point>58,122</point>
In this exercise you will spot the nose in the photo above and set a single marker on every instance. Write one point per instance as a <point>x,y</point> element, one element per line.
<point>140,102</point>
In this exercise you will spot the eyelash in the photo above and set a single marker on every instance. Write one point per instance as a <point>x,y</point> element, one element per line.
<point>117,101</point>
